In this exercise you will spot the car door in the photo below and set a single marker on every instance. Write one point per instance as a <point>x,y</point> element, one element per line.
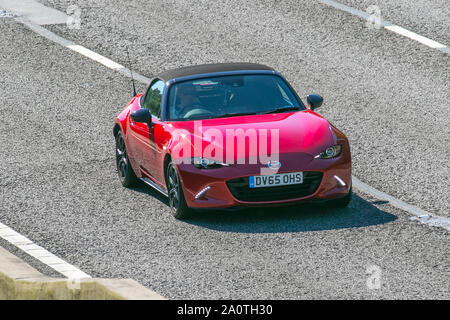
<point>146,150</point>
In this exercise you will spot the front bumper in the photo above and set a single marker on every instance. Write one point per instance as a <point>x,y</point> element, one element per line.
<point>335,182</point>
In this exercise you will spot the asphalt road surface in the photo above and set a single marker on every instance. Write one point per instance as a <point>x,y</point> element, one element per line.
<point>389,94</point>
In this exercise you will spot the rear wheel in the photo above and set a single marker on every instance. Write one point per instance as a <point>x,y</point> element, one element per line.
<point>177,203</point>
<point>124,169</point>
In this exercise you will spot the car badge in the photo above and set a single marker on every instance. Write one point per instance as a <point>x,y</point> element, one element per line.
<point>274,164</point>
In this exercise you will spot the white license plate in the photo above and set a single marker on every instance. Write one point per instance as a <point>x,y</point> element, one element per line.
<point>280,179</point>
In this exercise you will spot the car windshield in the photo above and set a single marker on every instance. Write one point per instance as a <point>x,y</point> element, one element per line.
<point>228,96</point>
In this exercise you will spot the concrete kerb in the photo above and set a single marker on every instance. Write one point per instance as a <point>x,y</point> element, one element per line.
<point>20,281</point>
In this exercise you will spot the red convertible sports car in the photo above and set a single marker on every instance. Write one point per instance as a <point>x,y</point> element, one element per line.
<point>228,136</point>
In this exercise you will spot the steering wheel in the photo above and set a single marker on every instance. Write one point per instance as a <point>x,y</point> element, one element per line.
<point>186,109</point>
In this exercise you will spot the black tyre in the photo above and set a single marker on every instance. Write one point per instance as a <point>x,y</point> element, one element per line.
<point>124,169</point>
<point>177,202</point>
<point>341,202</point>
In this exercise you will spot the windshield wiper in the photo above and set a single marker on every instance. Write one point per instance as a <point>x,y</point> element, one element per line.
<point>219,116</point>
<point>235,114</point>
<point>282,109</point>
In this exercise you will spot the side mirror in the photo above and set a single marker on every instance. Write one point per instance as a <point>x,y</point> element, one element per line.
<point>141,115</point>
<point>314,101</point>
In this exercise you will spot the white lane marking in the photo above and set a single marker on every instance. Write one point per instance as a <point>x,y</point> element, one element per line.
<point>414,36</point>
<point>419,214</point>
<point>39,253</point>
<point>82,50</point>
<point>95,56</point>
<point>34,11</point>
<point>390,26</point>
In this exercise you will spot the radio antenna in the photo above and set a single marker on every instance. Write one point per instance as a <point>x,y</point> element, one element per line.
<point>131,72</point>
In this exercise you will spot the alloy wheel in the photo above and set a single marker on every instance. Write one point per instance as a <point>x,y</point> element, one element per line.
<point>121,158</point>
<point>173,187</point>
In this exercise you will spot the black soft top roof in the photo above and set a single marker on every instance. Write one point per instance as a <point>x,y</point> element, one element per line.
<point>210,68</point>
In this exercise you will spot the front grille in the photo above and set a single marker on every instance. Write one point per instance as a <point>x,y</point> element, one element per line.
<point>240,189</point>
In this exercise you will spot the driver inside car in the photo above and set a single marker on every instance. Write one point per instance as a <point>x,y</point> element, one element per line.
<point>186,101</point>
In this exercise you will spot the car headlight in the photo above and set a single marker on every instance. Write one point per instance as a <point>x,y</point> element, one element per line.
<point>206,163</point>
<point>331,152</point>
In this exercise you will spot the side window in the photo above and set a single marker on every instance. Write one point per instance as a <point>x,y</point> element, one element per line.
<point>153,98</point>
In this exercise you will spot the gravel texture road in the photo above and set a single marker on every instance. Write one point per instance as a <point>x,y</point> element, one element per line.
<point>429,18</point>
<point>390,95</point>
